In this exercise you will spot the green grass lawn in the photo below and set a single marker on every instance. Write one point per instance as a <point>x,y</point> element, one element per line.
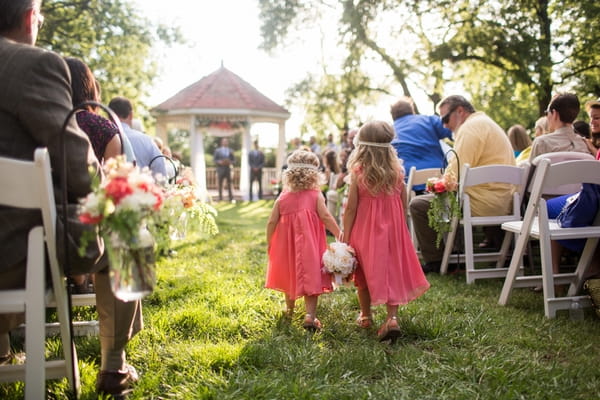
<point>213,332</point>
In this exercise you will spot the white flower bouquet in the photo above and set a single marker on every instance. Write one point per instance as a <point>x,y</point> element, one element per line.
<point>339,259</point>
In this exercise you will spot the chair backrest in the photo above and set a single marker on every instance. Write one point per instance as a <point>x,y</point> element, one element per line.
<point>418,177</point>
<point>548,176</point>
<point>27,184</point>
<point>557,157</point>
<point>496,173</point>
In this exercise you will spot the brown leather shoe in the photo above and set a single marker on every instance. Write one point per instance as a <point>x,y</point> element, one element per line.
<point>117,383</point>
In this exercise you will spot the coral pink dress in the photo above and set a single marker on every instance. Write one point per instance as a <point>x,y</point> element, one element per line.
<point>297,247</point>
<point>388,263</point>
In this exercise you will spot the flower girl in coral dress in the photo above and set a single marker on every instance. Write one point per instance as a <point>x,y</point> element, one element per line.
<point>388,269</point>
<point>296,237</point>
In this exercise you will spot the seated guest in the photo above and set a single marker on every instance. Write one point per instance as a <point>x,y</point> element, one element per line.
<point>561,113</point>
<point>103,134</point>
<point>143,146</point>
<point>417,140</point>
<point>479,141</point>
<point>540,128</point>
<point>35,99</point>
<point>519,139</point>
<point>593,110</point>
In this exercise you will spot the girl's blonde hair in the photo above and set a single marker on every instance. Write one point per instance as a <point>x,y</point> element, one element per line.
<point>302,172</point>
<point>376,160</point>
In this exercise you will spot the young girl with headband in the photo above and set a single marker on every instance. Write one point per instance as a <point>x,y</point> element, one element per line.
<point>296,237</point>
<point>389,271</point>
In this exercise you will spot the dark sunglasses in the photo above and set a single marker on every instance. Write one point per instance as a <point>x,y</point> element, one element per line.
<point>446,118</point>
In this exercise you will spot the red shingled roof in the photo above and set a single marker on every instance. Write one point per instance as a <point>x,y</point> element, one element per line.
<point>221,90</point>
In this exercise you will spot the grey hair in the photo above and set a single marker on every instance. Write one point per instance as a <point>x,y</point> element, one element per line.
<point>454,101</point>
<point>11,12</point>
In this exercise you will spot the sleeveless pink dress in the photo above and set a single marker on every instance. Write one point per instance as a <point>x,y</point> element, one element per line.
<point>297,246</point>
<point>388,263</point>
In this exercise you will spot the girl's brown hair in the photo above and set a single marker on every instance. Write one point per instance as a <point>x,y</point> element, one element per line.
<point>379,166</point>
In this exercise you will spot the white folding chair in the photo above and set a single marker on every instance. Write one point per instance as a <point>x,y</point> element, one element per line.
<point>417,177</point>
<point>505,174</point>
<point>28,185</point>
<point>537,225</point>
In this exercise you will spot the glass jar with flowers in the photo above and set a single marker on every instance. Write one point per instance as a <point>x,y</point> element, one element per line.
<point>184,211</point>
<point>444,206</point>
<point>123,207</point>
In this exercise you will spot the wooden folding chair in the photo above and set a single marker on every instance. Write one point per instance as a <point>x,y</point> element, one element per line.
<point>417,177</point>
<point>504,174</point>
<point>28,185</point>
<point>536,225</point>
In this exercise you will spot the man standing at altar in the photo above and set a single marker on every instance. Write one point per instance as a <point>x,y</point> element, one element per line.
<point>223,157</point>
<point>256,160</point>
<point>35,99</point>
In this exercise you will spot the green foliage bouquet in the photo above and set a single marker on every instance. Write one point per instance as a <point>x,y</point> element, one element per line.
<point>183,212</point>
<point>444,205</point>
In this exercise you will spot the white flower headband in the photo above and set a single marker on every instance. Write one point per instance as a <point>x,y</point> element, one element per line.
<point>375,144</point>
<point>302,165</point>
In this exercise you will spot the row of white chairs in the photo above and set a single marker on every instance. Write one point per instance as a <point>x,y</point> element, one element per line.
<point>28,185</point>
<point>553,174</point>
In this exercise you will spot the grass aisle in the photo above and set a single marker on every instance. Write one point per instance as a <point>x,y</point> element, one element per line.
<point>213,332</point>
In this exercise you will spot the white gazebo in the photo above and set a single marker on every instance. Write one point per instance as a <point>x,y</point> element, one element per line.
<point>220,104</point>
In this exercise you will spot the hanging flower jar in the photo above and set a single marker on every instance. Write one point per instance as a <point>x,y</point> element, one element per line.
<point>132,266</point>
<point>444,205</point>
<point>124,206</point>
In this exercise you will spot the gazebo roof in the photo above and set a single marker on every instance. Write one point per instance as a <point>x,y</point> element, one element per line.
<point>222,90</point>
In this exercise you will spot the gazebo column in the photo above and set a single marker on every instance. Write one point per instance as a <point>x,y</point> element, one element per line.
<point>281,146</point>
<point>244,168</point>
<point>197,157</point>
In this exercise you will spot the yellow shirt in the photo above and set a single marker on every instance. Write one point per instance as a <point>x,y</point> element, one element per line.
<point>480,141</point>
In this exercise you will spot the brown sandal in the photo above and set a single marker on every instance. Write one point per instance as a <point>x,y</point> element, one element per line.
<point>311,323</point>
<point>364,321</point>
<point>389,330</point>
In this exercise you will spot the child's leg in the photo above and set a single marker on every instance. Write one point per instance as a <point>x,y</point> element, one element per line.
<point>390,329</point>
<point>310,321</point>
<point>364,319</point>
<point>364,301</point>
<point>310,304</point>
<point>289,305</point>
<point>392,311</point>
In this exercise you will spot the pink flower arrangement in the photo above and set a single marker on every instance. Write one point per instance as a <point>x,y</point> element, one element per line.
<point>121,203</point>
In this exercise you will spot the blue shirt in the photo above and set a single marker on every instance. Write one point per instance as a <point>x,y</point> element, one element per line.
<point>417,142</point>
<point>145,151</point>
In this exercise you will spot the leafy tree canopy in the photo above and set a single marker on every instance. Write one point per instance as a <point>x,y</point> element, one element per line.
<point>112,37</point>
<point>511,56</point>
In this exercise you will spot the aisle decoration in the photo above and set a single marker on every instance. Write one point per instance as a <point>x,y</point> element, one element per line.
<point>444,205</point>
<point>134,216</point>
<point>339,259</point>
<point>183,212</point>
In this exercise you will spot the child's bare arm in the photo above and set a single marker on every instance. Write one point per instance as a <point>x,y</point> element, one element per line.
<point>350,212</point>
<point>272,222</point>
<point>327,218</point>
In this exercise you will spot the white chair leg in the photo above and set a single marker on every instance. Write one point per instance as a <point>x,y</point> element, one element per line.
<point>469,258</point>
<point>35,317</point>
<point>513,269</point>
<point>547,275</point>
<point>449,246</point>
